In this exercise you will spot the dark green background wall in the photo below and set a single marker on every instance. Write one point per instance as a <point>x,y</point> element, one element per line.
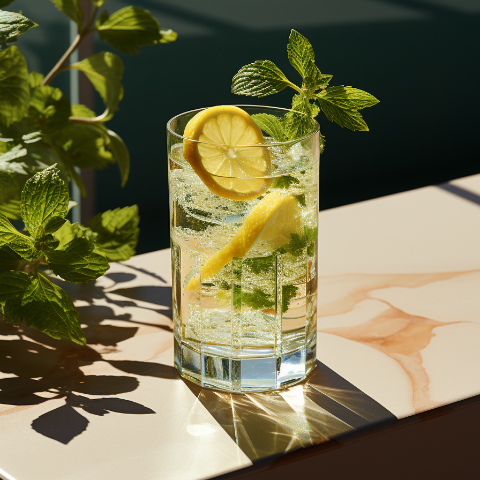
<point>419,58</point>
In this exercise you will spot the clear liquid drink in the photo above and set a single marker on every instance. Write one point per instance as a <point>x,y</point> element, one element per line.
<point>244,270</point>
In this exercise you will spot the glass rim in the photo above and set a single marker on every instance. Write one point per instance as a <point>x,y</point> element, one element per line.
<point>314,131</point>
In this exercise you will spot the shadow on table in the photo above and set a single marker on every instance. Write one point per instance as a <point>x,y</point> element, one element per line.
<point>322,407</point>
<point>40,368</point>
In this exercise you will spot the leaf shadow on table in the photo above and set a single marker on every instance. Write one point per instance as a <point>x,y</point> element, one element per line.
<point>37,368</point>
<point>322,407</point>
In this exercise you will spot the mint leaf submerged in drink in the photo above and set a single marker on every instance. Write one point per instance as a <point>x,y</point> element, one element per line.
<point>340,104</point>
<point>51,244</point>
<point>300,243</point>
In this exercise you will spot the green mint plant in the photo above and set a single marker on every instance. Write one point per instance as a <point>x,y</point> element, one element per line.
<point>340,104</point>
<point>51,245</point>
<point>38,125</point>
<point>43,140</point>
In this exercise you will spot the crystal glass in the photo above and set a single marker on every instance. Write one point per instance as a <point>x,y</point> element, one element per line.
<point>252,325</point>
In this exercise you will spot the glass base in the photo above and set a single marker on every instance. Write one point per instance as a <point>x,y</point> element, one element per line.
<point>256,371</point>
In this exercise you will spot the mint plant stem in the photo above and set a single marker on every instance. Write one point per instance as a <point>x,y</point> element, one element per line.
<point>98,119</point>
<point>56,69</point>
<point>76,42</point>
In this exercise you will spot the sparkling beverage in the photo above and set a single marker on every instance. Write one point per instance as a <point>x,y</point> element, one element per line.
<point>250,325</point>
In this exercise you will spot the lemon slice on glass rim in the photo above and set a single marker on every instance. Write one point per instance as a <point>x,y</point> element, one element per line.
<point>226,149</point>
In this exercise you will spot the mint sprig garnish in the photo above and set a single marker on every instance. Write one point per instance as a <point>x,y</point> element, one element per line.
<point>340,104</point>
<point>51,244</point>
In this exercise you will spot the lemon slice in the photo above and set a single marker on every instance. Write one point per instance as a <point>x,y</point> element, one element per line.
<point>224,155</point>
<point>273,220</point>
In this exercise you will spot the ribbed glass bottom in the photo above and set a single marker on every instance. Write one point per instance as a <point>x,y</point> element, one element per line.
<point>256,371</point>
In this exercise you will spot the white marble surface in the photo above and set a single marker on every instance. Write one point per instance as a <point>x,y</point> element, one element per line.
<point>399,318</point>
<point>400,278</point>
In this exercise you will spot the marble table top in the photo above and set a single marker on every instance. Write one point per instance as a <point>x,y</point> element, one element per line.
<point>398,334</point>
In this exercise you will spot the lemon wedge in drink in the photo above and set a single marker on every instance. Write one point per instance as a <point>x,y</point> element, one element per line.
<point>273,220</point>
<point>224,154</point>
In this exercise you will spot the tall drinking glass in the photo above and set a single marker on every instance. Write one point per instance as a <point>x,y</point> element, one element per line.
<point>245,322</point>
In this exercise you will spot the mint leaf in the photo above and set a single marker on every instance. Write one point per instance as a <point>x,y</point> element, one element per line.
<point>4,147</point>
<point>9,260</point>
<point>63,160</point>
<point>301,121</point>
<point>351,119</point>
<point>302,58</point>
<point>51,105</point>
<point>105,71</point>
<point>16,130</point>
<point>16,166</point>
<point>120,154</point>
<point>72,9</point>
<point>260,79</point>
<point>44,196</point>
<point>299,241</point>
<point>310,234</point>
<point>37,156</point>
<point>85,144</point>
<point>288,292</point>
<point>271,125</point>
<point>117,232</point>
<point>12,25</point>
<point>260,265</point>
<point>14,90</point>
<point>341,104</point>
<point>284,181</point>
<point>302,104</point>
<point>42,304</point>
<point>54,224</point>
<point>9,161</point>
<point>348,98</point>
<point>296,245</point>
<point>82,111</point>
<point>98,3</point>
<point>35,79</point>
<point>76,258</point>
<point>257,299</point>
<point>77,262</point>
<point>13,284</point>
<point>70,231</point>
<point>131,28</point>
<point>184,218</point>
<point>18,242</point>
<point>13,175</point>
<point>10,208</point>
<point>301,199</point>
<point>320,81</point>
